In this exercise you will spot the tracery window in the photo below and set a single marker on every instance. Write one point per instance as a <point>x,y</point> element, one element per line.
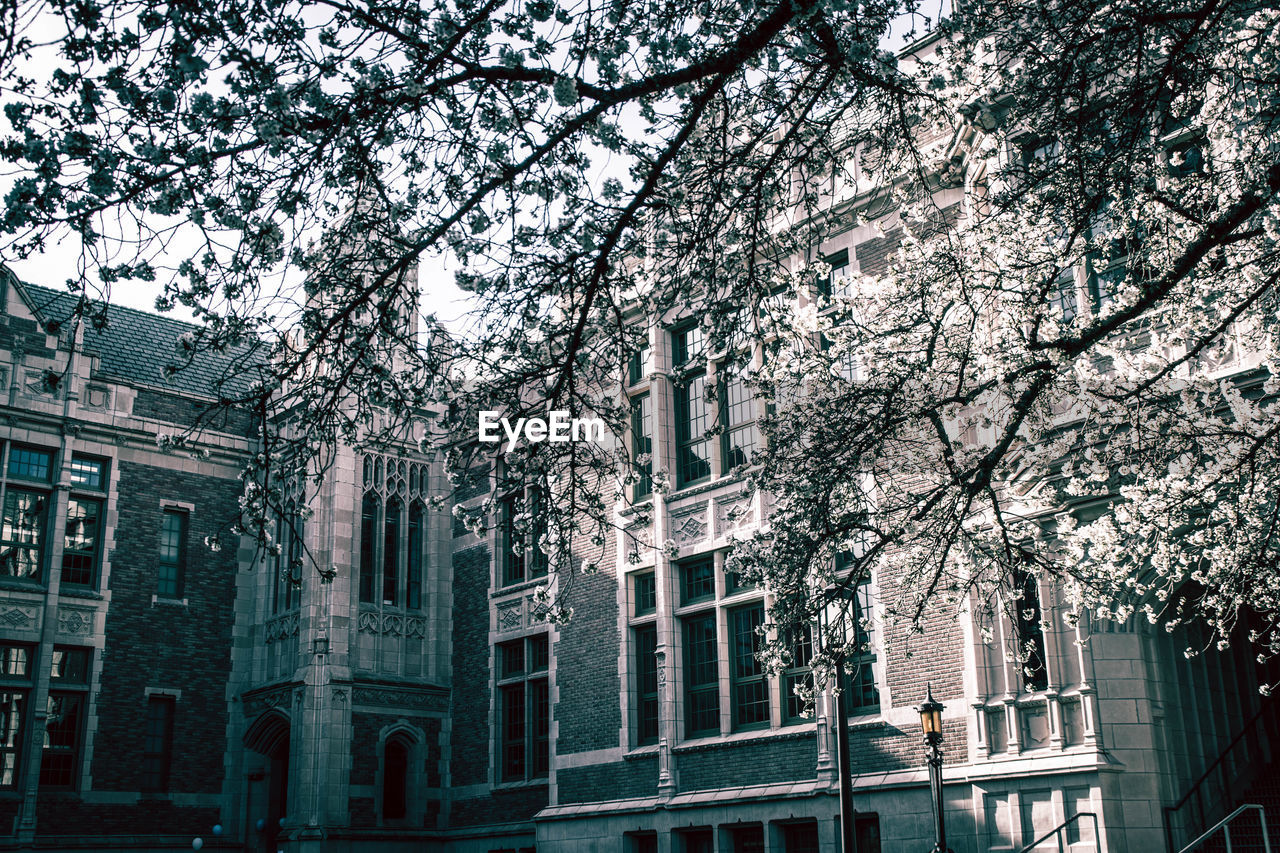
<point>393,532</point>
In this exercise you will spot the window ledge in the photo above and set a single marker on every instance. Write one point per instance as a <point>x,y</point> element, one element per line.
<point>519,586</point>
<point>649,749</point>
<point>702,744</point>
<point>171,602</point>
<point>519,786</point>
<point>72,591</point>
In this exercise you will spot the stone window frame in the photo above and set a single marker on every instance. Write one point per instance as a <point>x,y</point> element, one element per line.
<point>414,740</point>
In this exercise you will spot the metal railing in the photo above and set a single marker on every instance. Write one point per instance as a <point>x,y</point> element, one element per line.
<point>1223,774</point>
<point>1060,828</point>
<point>1224,825</point>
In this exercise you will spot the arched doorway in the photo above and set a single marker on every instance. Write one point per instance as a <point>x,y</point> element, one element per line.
<point>395,780</point>
<point>268,799</point>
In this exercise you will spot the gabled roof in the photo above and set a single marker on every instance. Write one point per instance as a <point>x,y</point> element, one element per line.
<point>135,347</point>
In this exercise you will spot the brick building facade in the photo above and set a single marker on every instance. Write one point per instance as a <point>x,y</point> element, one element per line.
<point>153,688</point>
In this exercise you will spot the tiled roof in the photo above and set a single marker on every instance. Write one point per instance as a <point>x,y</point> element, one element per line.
<point>136,347</point>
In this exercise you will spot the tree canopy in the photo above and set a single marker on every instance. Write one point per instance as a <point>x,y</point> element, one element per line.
<point>1065,365</point>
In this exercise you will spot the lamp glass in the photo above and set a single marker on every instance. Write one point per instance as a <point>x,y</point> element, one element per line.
<point>931,720</point>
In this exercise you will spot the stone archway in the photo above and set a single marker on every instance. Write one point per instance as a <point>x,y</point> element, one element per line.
<point>268,736</point>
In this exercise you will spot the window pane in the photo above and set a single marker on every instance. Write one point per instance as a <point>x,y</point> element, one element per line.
<point>686,345</point>
<point>539,560</point>
<point>538,653</point>
<point>698,579</point>
<point>511,659</point>
<point>646,594</point>
<point>61,740</point>
<point>742,437</point>
<point>646,639</point>
<point>173,534</point>
<point>512,715</point>
<point>750,691</point>
<point>1027,616</point>
<point>693,419</point>
<point>540,714</point>
<point>11,704</point>
<point>512,543</point>
<point>70,666</point>
<point>395,772</point>
<point>368,522</point>
<point>14,661</point>
<point>702,677</point>
<point>413,581</point>
<point>22,533</point>
<point>30,464</point>
<point>391,553</point>
<point>80,544</point>
<point>640,364</point>
<point>87,473</point>
<point>157,742</point>
<point>642,443</point>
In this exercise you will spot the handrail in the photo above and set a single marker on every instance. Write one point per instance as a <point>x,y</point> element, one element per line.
<point>1244,730</point>
<point>1222,824</point>
<point>1057,830</point>
<point>1262,715</point>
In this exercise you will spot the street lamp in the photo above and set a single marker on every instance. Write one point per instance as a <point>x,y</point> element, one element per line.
<point>844,763</point>
<point>931,722</point>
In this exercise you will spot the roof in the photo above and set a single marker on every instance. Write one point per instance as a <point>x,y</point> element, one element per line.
<point>136,347</point>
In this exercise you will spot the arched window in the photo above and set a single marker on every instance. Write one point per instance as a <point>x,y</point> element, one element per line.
<point>391,553</point>
<point>413,584</point>
<point>395,779</point>
<point>368,526</point>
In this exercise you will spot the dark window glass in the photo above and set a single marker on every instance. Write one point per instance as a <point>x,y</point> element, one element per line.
<point>698,579</point>
<point>862,696</point>
<point>391,553</point>
<point>368,530</point>
<point>12,703</point>
<point>646,592</point>
<point>30,464</point>
<point>22,535</point>
<point>800,837</point>
<point>702,675</point>
<point>797,674</point>
<point>686,345</point>
<point>748,839</point>
<point>866,828</point>
<point>15,661</point>
<point>539,653</point>
<point>640,365</point>
<point>1027,616</point>
<point>513,546</point>
<point>413,583</point>
<point>837,283</point>
<point>80,544</point>
<point>646,639</point>
<point>88,473</point>
<point>693,419</point>
<point>58,765</point>
<point>512,709</point>
<point>157,744</point>
<point>738,413</point>
<point>539,560</point>
<point>642,444</point>
<point>511,659</point>
<point>173,548</point>
<point>69,665</point>
<point>642,842</point>
<point>697,841</point>
<point>291,580</point>
<point>540,714</point>
<point>750,691</point>
<point>395,777</point>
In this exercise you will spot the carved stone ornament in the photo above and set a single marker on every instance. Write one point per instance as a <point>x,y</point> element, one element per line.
<point>392,624</point>
<point>276,697</point>
<point>690,529</point>
<point>280,628</point>
<point>73,620</point>
<point>399,697</point>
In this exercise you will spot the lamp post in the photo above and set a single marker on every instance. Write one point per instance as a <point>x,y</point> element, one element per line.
<point>931,722</point>
<point>844,764</point>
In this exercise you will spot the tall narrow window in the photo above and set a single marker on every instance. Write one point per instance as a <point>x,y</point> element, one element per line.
<point>391,553</point>
<point>1027,617</point>
<point>524,711</point>
<point>413,581</point>
<point>646,645</point>
<point>741,436</point>
<point>702,676</point>
<point>157,744</point>
<point>693,419</point>
<point>697,579</point>
<point>292,579</point>
<point>395,778</point>
<point>513,546</point>
<point>15,686</point>
<point>642,444</point>
<point>862,696</point>
<point>750,689</point>
<point>797,675</point>
<point>640,364</point>
<point>22,536</point>
<point>539,560</point>
<point>68,685</point>
<point>80,543</point>
<point>173,552</point>
<point>368,529</point>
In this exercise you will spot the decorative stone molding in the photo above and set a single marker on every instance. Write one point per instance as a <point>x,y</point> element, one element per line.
<point>414,699</point>
<point>20,618</point>
<point>734,514</point>
<point>689,528</point>
<point>257,701</point>
<point>75,620</point>
<point>280,628</point>
<point>393,624</point>
<point>517,614</point>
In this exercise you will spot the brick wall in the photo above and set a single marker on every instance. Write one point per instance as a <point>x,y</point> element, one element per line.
<point>635,777</point>
<point>186,412</point>
<point>501,806</point>
<point>167,645</point>
<point>469,764</point>
<point>587,664</point>
<point>732,765</point>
